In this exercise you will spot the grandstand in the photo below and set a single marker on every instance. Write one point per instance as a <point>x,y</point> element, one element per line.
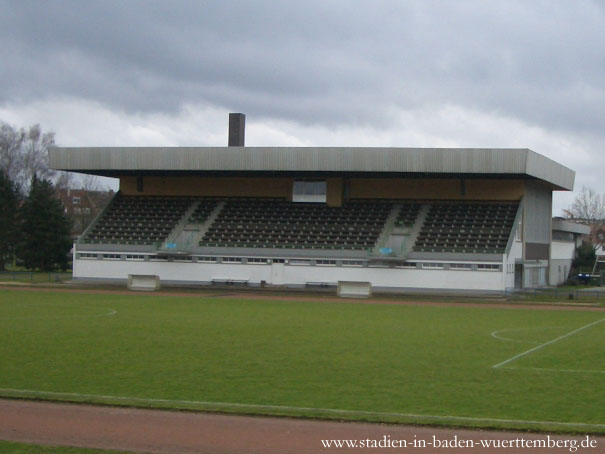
<point>398,218</point>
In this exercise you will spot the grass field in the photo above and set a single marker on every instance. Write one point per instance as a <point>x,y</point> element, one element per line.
<point>394,363</point>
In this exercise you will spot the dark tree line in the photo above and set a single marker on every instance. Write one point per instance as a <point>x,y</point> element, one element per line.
<point>33,226</point>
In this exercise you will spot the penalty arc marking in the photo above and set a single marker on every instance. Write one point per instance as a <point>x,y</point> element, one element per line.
<point>531,350</point>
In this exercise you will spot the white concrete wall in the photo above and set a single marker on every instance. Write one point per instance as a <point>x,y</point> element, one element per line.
<point>171,271</point>
<point>515,253</point>
<point>562,250</point>
<point>293,274</point>
<point>537,213</point>
<point>559,271</point>
<point>562,254</point>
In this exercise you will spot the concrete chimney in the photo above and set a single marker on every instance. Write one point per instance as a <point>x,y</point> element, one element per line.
<point>237,127</point>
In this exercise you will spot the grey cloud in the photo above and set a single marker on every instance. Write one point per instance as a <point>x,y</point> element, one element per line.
<point>322,62</point>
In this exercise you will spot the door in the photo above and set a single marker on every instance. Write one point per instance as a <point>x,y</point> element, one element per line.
<point>518,276</point>
<point>277,274</point>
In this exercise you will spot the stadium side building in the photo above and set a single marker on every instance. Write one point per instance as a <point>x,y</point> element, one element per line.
<point>398,218</point>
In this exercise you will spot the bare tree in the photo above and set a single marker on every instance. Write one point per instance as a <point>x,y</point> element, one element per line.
<point>588,205</point>
<point>64,180</point>
<point>92,183</point>
<point>11,156</point>
<point>24,153</point>
<point>35,154</point>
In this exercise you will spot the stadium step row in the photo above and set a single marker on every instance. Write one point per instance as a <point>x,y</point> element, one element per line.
<point>138,220</point>
<point>461,250</point>
<point>288,225</point>
<point>266,222</point>
<point>277,245</point>
<point>467,227</point>
<point>294,229</point>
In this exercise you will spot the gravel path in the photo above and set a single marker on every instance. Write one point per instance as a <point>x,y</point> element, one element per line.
<point>156,431</point>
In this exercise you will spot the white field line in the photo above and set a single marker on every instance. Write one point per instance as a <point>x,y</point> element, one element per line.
<point>289,409</point>
<point>527,352</point>
<point>496,334</point>
<point>581,371</point>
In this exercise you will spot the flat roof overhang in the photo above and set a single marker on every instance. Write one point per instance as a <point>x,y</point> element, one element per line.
<point>314,162</point>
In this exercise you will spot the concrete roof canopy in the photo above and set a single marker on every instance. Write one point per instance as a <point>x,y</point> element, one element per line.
<point>369,161</point>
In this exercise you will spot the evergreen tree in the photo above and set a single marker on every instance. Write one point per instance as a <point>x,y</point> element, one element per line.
<point>8,218</point>
<point>44,229</point>
<point>585,257</point>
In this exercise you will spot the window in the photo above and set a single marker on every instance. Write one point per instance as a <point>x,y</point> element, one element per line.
<point>75,200</point>
<point>411,265</point>
<point>77,210</point>
<point>460,266</point>
<point>519,231</point>
<point>309,191</point>
<point>488,267</point>
<point>510,268</point>
<point>432,266</point>
<point>299,262</point>
<point>352,263</point>
<point>325,262</point>
<point>86,210</point>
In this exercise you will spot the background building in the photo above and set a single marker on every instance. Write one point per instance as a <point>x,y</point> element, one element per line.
<point>83,206</point>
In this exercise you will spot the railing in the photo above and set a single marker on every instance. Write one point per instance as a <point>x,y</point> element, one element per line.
<point>180,246</point>
<point>34,276</point>
<point>556,294</point>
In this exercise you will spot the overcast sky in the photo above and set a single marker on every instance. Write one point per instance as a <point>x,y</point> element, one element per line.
<point>518,74</point>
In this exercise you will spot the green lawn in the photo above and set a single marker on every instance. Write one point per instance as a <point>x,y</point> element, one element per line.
<point>417,364</point>
<point>34,277</point>
<point>23,448</point>
<point>566,295</point>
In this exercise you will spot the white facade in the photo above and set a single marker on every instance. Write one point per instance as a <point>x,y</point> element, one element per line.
<point>514,255</point>
<point>487,276</point>
<point>566,238</point>
<point>562,250</point>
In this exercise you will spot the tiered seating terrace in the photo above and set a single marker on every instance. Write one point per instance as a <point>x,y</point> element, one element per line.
<point>202,211</point>
<point>467,227</point>
<point>273,223</point>
<point>407,214</point>
<point>138,220</point>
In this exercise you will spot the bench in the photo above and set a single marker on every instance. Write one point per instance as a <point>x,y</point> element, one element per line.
<point>354,289</point>
<point>143,282</point>
<point>321,284</point>
<point>229,281</point>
